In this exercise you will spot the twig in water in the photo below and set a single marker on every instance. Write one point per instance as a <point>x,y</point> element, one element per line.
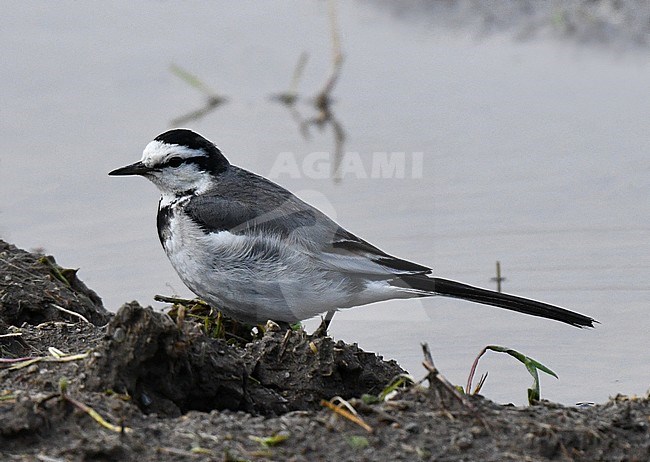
<point>337,58</point>
<point>289,97</point>
<point>323,100</point>
<point>213,100</point>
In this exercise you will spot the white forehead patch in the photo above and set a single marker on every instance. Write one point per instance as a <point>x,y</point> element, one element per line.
<point>157,152</point>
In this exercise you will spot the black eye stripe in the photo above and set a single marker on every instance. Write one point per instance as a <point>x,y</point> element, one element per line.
<point>213,162</point>
<point>176,161</point>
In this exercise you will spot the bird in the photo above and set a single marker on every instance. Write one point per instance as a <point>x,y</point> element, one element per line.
<point>253,249</point>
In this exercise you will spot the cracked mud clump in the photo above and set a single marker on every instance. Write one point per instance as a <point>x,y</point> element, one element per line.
<point>170,370</point>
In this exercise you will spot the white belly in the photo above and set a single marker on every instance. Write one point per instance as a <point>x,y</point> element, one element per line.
<point>252,278</point>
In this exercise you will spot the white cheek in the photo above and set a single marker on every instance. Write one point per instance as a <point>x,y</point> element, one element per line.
<point>182,179</point>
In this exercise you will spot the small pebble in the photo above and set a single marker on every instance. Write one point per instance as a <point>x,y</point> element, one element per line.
<point>412,427</point>
<point>463,441</point>
<point>119,335</point>
<point>477,431</point>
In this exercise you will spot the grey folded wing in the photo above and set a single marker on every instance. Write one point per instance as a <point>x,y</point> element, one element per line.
<point>304,227</point>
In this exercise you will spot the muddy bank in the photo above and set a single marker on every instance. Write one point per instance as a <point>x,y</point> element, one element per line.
<point>173,393</point>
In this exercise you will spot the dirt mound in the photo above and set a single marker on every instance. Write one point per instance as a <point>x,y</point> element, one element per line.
<point>170,370</point>
<point>34,289</point>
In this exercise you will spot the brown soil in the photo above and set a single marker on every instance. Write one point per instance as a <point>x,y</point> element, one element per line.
<point>175,394</point>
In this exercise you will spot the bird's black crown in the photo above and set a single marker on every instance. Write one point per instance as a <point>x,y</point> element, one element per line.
<point>213,161</point>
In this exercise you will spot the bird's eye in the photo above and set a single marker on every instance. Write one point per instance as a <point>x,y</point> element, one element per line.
<point>175,162</point>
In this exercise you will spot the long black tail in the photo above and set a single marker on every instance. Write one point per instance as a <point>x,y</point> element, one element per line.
<point>455,289</point>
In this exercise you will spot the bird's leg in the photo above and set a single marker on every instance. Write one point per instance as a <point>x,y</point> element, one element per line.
<point>325,324</point>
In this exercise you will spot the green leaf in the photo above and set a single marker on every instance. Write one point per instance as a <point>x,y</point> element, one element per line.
<point>269,441</point>
<point>401,380</point>
<point>531,365</point>
<point>357,442</point>
<point>370,399</point>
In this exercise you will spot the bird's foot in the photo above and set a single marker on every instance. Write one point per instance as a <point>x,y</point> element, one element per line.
<point>324,324</point>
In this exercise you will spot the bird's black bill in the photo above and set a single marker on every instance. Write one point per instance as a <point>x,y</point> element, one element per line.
<point>455,289</point>
<point>137,168</point>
